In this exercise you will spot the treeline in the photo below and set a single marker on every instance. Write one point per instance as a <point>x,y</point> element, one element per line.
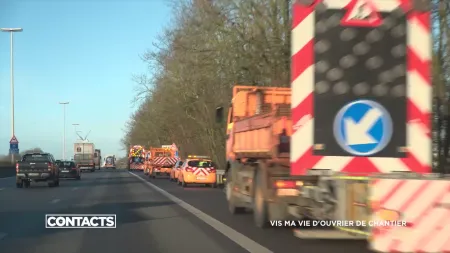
<point>209,47</point>
<point>212,45</point>
<point>6,159</point>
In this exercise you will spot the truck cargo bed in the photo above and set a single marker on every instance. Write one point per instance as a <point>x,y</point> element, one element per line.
<point>260,136</point>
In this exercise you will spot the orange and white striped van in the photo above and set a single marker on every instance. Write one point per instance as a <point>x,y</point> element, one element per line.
<point>197,170</point>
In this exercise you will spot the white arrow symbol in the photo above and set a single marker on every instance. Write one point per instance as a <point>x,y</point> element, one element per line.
<point>357,133</point>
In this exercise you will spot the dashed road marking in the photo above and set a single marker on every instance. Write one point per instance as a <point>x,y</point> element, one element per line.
<point>74,188</point>
<point>235,236</point>
<point>1,189</point>
<point>55,201</point>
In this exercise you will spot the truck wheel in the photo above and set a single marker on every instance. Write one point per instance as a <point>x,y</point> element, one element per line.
<point>57,182</point>
<point>260,207</point>
<point>183,184</point>
<point>51,184</point>
<point>231,199</point>
<point>78,177</point>
<point>213,185</point>
<point>27,184</point>
<point>19,184</point>
<point>93,170</point>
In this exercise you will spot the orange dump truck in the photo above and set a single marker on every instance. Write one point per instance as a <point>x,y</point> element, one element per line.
<point>161,161</point>
<point>257,148</point>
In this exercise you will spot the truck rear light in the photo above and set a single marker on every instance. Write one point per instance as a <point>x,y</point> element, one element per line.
<point>17,167</point>
<point>189,169</point>
<point>285,184</point>
<point>50,166</point>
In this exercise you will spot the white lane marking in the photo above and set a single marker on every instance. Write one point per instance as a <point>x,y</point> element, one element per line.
<point>6,178</point>
<point>55,201</point>
<point>1,189</point>
<point>74,188</point>
<point>2,235</point>
<point>235,236</point>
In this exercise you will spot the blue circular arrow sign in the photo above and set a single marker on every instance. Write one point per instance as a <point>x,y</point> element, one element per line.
<point>363,127</point>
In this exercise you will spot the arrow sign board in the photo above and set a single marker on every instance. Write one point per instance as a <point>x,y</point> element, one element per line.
<point>362,13</point>
<point>13,140</point>
<point>363,128</point>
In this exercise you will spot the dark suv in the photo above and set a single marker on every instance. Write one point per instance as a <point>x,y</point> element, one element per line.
<point>68,169</point>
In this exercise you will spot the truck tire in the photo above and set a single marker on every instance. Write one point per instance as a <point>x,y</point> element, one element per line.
<point>231,198</point>
<point>19,184</point>
<point>78,177</point>
<point>260,205</point>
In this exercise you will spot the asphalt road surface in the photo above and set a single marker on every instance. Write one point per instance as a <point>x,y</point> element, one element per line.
<point>152,215</point>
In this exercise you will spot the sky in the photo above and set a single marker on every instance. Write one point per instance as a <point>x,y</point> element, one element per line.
<point>80,51</point>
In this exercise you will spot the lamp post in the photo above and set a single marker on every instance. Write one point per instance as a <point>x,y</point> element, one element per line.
<point>64,128</point>
<point>11,32</point>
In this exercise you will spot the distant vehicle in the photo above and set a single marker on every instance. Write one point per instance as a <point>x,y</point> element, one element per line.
<point>160,161</point>
<point>98,158</point>
<point>84,155</point>
<point>37,167</point>
<point>110,162</point>
<point>136,158</point>
<point>68,169</point>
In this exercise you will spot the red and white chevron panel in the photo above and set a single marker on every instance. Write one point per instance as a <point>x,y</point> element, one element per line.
<point>201,171</point>
<point>165,160</point>
<point>423,204</point>
<point>419,96</point>
<point>135,166</point>
<point>158,160</point>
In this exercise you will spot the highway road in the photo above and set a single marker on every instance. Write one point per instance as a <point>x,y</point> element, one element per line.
<point>154,215</point>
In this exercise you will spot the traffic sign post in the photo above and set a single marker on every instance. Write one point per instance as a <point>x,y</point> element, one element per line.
<point>363,128</point>
<point>14,146</point>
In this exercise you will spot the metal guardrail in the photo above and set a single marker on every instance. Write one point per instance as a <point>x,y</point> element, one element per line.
<point>7,171</point>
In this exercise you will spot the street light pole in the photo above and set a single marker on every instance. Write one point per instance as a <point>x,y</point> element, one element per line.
<point>64,128</point>
<point>11,31</point>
